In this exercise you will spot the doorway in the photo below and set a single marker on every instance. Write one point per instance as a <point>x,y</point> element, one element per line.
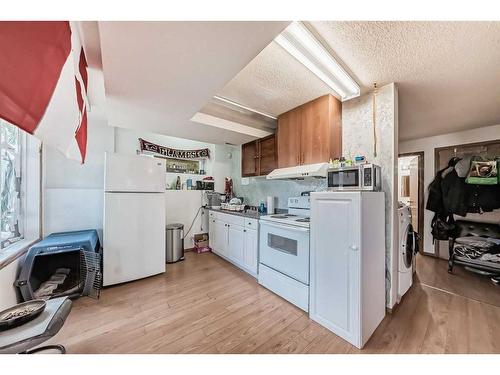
<point>411,189</point>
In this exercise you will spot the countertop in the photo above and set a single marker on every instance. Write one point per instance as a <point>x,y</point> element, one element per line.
<point>252,214</point>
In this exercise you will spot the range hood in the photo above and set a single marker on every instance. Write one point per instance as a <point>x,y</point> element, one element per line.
<point>299,172</point>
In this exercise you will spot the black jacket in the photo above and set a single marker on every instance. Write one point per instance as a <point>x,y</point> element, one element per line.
<point>449,194</point>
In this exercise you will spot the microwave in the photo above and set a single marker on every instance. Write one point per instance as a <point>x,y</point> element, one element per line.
<point>205,185</point>
<point>365,177</point>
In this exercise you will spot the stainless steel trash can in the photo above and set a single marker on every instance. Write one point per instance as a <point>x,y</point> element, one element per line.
<point>175,242</point>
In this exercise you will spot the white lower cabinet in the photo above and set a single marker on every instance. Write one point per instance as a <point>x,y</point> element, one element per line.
<point>235,241</point>
<point>220,244</point>
<point>347,278</point>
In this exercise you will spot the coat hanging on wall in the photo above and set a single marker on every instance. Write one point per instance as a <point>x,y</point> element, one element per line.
<point>43,83</point>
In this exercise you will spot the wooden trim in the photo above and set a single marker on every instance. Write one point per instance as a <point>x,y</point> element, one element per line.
<point>421,199</point>
<point>485,143</point>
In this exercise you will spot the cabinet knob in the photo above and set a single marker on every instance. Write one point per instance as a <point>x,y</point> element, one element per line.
<point>244,230</point>
<point>353,247</point>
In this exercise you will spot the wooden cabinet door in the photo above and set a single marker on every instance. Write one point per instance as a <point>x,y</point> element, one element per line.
<point>251,250</point>
<point>288,139</point>
<point>249,159</point>
<point>267,155</point>
<point>321,130</point>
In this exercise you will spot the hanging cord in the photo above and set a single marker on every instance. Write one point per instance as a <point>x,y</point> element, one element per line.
<point>192,223</point>
<point>374,119</point>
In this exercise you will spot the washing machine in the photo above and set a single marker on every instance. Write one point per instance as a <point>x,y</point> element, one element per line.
<point>406,250</point>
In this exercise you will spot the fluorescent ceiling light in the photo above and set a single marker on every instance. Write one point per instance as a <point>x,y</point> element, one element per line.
<point>299,42</point>
<point>220,123</point>
<point>228,101</point>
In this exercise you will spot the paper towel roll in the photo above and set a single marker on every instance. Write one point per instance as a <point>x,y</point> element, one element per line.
<point>270,205</point>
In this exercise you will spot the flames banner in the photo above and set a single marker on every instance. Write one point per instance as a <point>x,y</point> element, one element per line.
<point>172,152</point>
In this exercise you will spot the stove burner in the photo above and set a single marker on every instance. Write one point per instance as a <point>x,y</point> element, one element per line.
<point>303,220</point>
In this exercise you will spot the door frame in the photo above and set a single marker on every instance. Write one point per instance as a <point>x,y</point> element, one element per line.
<point>421,169</point>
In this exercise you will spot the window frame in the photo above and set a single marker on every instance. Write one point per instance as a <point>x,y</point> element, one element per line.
<point>30,199</point>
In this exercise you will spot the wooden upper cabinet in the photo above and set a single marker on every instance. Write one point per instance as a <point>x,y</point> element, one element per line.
<point>288,139</point>
<point>249,156</point>
<point>267,155</point>
<point>258,157</point>
<point>310,133</point>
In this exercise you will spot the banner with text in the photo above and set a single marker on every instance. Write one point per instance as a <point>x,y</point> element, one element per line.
<point>172,152</point>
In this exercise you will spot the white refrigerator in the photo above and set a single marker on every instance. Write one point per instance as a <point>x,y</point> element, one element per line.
<point>134,218</point>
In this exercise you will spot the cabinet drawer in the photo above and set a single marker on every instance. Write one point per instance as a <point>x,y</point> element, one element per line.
<point>251,223</point>
<point>231,219</point>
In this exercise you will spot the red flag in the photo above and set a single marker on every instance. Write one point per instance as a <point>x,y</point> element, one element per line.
<point>82,67</point>
<point>81,133</point>
<point>81,136</point>
<point>38,76</point>
<point>33,55</point>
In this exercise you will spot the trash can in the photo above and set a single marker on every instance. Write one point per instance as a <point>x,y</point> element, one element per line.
<point>175,243</point>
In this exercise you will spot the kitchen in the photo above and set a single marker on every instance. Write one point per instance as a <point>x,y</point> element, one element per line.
<point>273,243</point>
<point>285,156</point>
<point>250,210</point>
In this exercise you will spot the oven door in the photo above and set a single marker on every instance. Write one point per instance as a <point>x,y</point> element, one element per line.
<point>285,248</point>
<point>347,179</point>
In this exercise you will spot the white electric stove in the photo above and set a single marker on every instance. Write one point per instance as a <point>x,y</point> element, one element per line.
<point>298,213</point>
<point>284,252</point>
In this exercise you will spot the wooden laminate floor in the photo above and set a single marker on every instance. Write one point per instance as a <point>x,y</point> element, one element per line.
<point>434,272</point>
<point>206,305</point>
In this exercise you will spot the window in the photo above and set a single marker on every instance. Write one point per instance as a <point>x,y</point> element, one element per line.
<point>10,196</point>
<point>19,186</point>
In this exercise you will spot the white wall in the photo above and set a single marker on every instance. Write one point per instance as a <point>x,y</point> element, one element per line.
<point>427,145</point>
<point>73,192</point>
<point>218,165</point>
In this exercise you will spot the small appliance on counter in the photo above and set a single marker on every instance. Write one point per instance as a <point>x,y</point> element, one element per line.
<point>205,185</point>
<point>212,199</point>
<point>364,177</point>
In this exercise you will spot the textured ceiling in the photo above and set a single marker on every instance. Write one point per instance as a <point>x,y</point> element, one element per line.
<point>448,73</point>
<point>274,82</point>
